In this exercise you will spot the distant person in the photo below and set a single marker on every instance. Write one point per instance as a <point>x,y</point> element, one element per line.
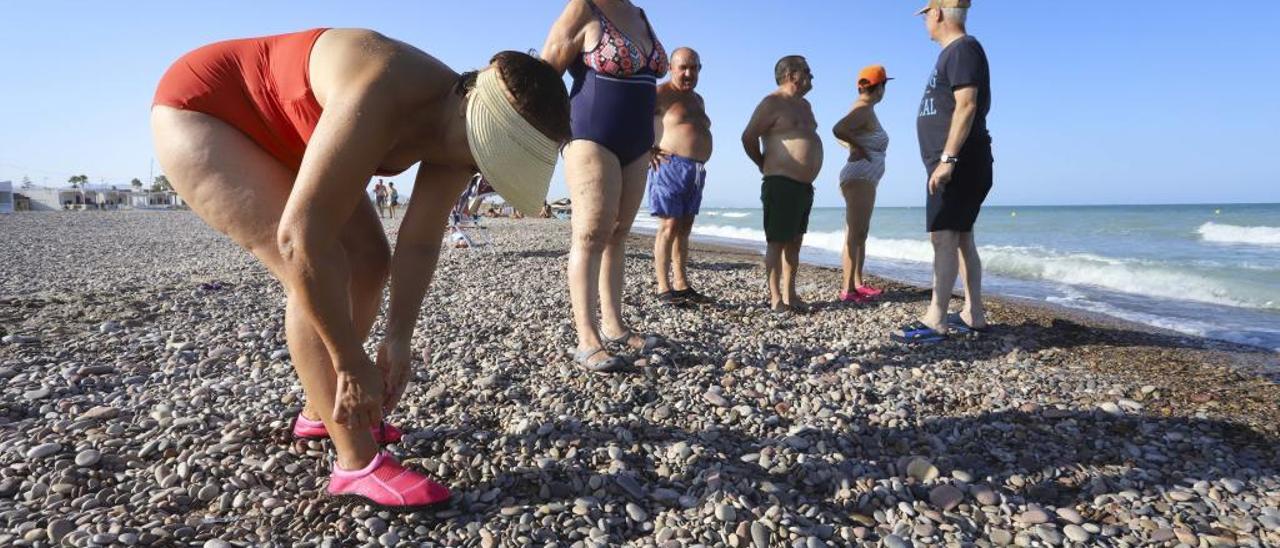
<point>678,174</point>
<point>271,141</point>
<point>394,197</point>
<point>790,160</point>
<point>546,212</point>
<point>868,143</point>
<point>956,148</point>
<point>380,198</point>
<point>615,59</point>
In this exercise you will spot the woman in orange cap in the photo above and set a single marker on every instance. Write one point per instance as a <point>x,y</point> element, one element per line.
<point>867,142</point>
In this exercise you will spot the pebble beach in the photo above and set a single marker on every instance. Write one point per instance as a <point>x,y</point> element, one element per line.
<point>146,395</point>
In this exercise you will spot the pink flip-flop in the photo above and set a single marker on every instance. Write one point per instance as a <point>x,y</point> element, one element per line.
<point>308,429</point>
<point>387,484</point>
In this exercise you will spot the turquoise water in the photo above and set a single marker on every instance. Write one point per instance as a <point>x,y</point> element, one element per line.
<point>1206,270</point>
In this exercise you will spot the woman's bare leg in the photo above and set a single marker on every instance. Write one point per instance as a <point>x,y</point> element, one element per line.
<point>595,185</point>
<point>861,206</point>
<point>613,260</point>
<point>241,191</point>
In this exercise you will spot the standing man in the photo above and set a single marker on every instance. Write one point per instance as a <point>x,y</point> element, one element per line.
<point>394,196</point>
<point>956,148</point>
<point>380,198</point>
<point>789,161</point>
<point>678,174</point>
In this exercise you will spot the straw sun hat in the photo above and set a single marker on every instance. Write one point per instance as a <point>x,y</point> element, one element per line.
<point>513,156</point>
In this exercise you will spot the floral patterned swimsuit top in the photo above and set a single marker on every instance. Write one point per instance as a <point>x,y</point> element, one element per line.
<point>618,56</point>
<point>615,91</point>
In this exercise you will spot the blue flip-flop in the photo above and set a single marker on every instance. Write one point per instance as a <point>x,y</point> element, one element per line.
<point>917,333</point>
<point>954,321</point>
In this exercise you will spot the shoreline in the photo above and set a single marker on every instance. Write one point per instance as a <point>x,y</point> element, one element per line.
<point>730,246</point>
<point>150,396</point>
<point>1243,363</point>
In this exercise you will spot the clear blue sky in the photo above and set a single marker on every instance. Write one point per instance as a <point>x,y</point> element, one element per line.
<point>1095,101</point>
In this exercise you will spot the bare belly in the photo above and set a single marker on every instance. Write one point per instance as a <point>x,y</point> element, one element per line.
<point>796,156</point>
<point>688,140</point>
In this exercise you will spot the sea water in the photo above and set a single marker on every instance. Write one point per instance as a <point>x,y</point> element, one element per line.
<point>1205,270</point>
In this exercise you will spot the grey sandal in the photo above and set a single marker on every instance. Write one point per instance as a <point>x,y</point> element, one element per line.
<point>651,342</point>
<point>612,365</point>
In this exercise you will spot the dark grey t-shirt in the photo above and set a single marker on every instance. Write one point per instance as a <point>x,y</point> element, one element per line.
<point>962,63</point>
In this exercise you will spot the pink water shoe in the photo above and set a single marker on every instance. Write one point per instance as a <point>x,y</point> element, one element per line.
<point>387,484</point>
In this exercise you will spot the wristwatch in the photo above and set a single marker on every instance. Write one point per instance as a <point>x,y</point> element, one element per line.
<point>946,159</point>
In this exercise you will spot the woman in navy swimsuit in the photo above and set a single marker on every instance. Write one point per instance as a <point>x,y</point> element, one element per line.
<point>615,60</point>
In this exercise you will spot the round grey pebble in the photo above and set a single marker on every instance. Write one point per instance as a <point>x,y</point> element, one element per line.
<point>894,541</point>
<point>88,457</point>
<point>636,513</point>
<point>59,528</point>
<point>1076,533</point>
<point>43,450</point>
<point>216,543</point>
<point>1001,537</point>
<point>389,538</point>
<point>725,513</point>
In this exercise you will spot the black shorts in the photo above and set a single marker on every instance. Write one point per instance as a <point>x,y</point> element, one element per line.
<point>787,204</point>
<point>956,207</point>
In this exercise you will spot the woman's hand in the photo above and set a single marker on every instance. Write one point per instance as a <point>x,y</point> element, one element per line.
<point>358,401</point>
<point>856,153</point>
<point>395,362</point>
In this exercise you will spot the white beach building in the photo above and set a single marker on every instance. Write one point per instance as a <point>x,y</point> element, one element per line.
<point>6,197</point>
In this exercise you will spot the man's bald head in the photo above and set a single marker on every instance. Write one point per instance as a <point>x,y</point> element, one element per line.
<point>685,67</point>
<point>686,54</point>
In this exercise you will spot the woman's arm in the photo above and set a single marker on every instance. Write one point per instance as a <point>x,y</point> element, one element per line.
<point>413,267</point>
<point>349,142</point>
<point>849,127</point>
<point>567,35</point>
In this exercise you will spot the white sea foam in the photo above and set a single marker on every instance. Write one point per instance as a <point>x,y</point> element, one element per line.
<point>1027,263</point>
<point>1232,234</point>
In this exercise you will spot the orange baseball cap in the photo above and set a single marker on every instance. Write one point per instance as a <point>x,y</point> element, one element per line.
<point>872,75</point>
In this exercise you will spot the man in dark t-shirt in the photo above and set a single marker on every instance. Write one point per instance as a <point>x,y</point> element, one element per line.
<point>956,148</point>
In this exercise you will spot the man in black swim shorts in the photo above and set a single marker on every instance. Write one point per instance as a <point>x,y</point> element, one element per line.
<point>790,160</point>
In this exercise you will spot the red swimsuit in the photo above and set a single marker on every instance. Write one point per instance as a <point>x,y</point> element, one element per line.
<point>261,86</point>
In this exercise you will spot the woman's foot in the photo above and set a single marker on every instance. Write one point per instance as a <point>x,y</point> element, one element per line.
<point>868,291</point>
<point>308,429</point>
<point>597,360</point>
<point>388,484</point>
<point>855,297</point>
<point>637,343</point>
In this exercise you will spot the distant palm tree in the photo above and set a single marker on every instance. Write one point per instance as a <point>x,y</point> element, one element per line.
<point>136,184</point>
<point>78,181</point>
<point>161,184</point>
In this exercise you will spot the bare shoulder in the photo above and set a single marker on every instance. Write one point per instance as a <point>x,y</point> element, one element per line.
<point>770,102</point>
<point>361,60</point>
